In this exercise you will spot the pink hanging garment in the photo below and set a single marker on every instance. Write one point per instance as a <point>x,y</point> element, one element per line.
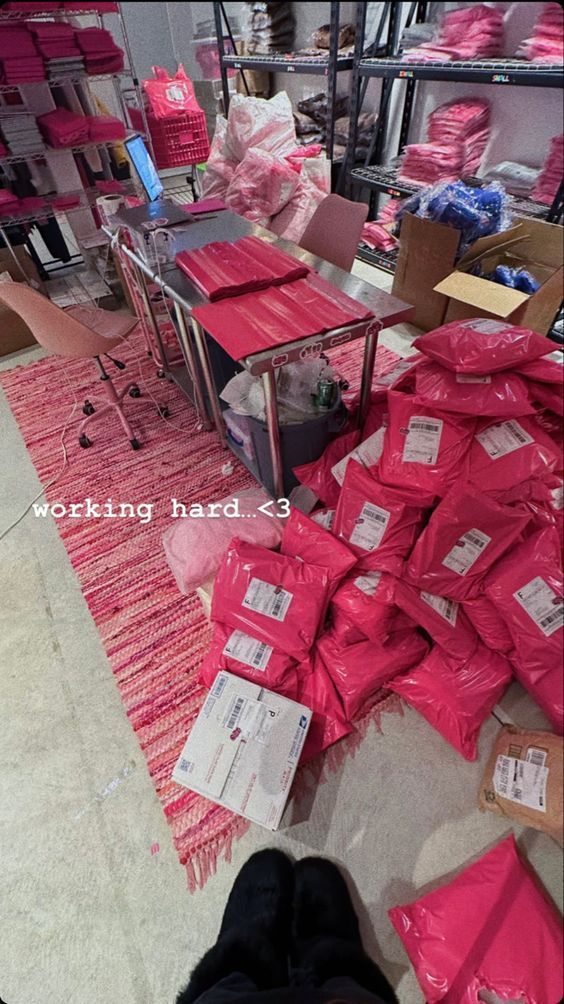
<point>222,269</point>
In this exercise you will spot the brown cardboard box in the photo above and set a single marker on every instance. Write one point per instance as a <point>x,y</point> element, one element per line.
<point>441,290</point>
<point>531,244</point>
<point>14,334</point>
<point>427,254</point>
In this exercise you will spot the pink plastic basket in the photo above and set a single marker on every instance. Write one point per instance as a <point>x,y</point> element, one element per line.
<point>177,141</point>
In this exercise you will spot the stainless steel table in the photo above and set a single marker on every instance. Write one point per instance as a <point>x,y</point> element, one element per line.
<point>387,310</point>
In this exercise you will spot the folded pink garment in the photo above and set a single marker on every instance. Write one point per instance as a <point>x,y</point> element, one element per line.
<point>222,269</point>
<point>16,41</point>
<point>62,128</point>
<point>50,29</point>
<point>376,236</point>
<point>104,128</point>
<point>95,40</point>
<point>245,325</point>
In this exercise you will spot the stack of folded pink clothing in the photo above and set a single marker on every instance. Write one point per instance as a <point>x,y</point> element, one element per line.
<point>54,38</point>
<point>474,32</point>
<point>375,234</point>
<point>62,128</point>
<point>427,163</point>
<point>105,128</point>
<point>547,42</point>
<point>551,174</point>
<point>20,62</point>
<point>9,203</point>
<point>101,54</point>
<point>467,122</point>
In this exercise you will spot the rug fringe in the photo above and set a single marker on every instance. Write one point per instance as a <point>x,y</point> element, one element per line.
<point>203,862</point>
<point>317,771</point>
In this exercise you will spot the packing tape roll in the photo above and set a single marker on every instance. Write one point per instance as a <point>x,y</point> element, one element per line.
<point>108,206</point>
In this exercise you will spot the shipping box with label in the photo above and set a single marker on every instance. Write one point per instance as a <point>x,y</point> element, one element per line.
<point>244,748</point>
<point>443,289</point>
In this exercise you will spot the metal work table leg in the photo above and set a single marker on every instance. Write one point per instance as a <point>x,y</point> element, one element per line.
<point>370,346</point>
<point>142,282</point>
<point>273,426</point>
<point>185,340</point>
<point>202,348</point>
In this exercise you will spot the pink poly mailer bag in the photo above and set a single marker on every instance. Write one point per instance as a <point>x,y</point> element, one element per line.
<point>424,449</point>
<point>345,631</point>
<point>456,696</point>
<point>505,453</point>
<point>366,600</point>
<point>304,538</point>
<point>489,624</point>
<point>317,691</point>
<point>442,618</point>
<point>481,345</point>
<point>501,395</point>
<point>466,534</point>
<point>548,395</point>
<point>360,671</point>
<point>270,596</point>
<point>492,928</point>
<point>526,588</point>
<point>250,658</point>
<point>195,545</point>
<point>377,523</point>
<point>548,369</point>
<point>317,474</point>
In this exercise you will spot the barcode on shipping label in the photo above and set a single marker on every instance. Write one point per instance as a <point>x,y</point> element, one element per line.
<point>249,651</point>
<point>536,756</point>
<point>219,685</point>
<point>486,327</point>
<point>368,583</point>
<point>468,548</point>
<point>472,378</point>
<point>423,440</point>
<point>504,438</point>
<point>521,781</point>
<point>370,527</point>
<point>324,519</point>
<point>542,605</point>
<point>234,713</point>
<point>264,598</point>
<point>448,609</point>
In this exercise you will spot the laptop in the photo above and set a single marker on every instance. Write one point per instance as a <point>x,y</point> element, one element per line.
<point>157,212</point>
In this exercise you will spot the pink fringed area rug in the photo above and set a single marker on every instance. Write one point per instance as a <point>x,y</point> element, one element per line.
<point>154,637</point>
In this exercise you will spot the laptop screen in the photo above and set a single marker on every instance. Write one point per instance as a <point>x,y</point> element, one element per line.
<point>145,168</point>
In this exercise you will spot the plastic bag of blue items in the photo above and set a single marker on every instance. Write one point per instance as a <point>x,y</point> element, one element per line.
<point>515,278</point>
<point>475,212</point>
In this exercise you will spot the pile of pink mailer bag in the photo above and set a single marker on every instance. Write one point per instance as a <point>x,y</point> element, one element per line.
<point>458,133</point>
<point>474,32</point>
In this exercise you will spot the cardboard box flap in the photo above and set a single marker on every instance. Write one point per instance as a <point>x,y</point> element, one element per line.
<point>542,242</point>
<point>498,242</point>
<point>481,293</point>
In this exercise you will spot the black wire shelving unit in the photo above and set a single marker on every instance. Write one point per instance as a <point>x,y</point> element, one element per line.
<point>286,62</point>
<point>390,67</point>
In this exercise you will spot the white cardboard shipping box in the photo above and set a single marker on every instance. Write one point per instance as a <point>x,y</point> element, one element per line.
<point>244,748</point>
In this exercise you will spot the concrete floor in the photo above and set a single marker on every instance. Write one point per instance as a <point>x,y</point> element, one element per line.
<point>95,904</point>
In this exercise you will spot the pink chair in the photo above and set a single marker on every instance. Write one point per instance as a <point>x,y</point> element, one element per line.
<point>334,230</point>
<point>80,332</point>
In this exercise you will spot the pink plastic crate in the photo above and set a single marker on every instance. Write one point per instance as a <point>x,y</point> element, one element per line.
<point>177,141</point>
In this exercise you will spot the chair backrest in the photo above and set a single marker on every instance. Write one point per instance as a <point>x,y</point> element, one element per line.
<point>50,325</point>
<point>334,230</point>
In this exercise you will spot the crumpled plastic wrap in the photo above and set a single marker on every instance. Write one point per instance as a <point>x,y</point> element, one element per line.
<point>296,384</point>
<point>257,122</point>
<point>220,168</point>
<point>261,186</point>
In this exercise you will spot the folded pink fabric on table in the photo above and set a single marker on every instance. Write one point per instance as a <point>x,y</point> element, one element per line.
<point>255,322</point>
<point>104,64</point>
<point>223,269</point>
<point>62,128</point>
<point>104,128</point>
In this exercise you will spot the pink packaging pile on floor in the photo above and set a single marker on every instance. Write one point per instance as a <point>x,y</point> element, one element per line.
<point>547,42</point>
<point>458,133</point>
<point>474,32</point>
<point>551,174</point>
<point>467,937</point>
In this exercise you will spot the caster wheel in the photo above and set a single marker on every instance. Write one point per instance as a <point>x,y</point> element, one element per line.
<point>344,384</point>
<point>135,444</point>
<point>161,374</point>
<point>163,411</point>
<point>134,391</point>
<point>88,408</point>
<point>84,441</point>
